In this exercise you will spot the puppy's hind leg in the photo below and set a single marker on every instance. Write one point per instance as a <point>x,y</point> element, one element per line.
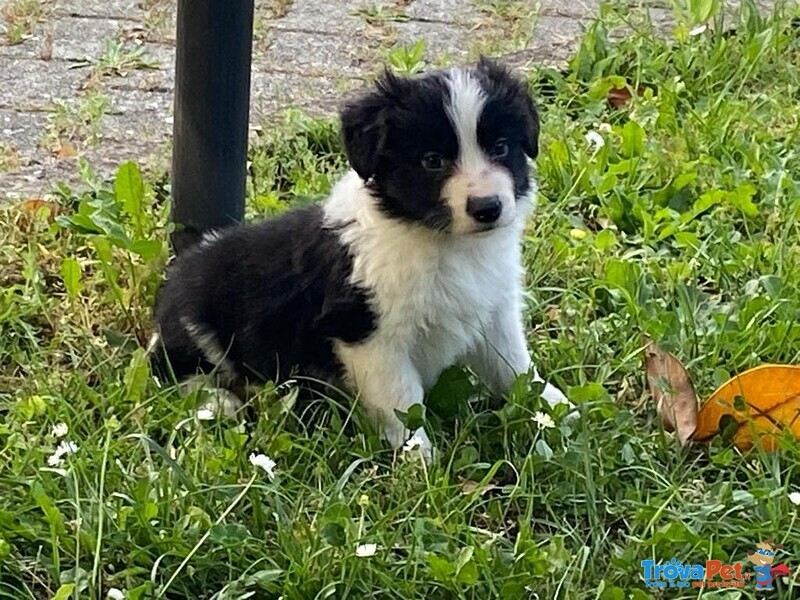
<point>189,355</point>
<point>219,402</point>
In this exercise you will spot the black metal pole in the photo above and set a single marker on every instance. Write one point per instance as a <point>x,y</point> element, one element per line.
<point>212,98</point>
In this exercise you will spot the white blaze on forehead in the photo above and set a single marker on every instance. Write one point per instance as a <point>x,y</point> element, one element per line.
<point>467,100</point>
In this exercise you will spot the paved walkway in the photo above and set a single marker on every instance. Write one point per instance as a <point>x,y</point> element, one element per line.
<point>92,79</point>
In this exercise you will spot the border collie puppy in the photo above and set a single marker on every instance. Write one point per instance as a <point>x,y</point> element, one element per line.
<point>413,263</point>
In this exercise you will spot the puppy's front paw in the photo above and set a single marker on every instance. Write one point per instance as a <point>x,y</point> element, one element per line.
<point>554,396</point>
<point>551,393</point>
<point>394,433</point>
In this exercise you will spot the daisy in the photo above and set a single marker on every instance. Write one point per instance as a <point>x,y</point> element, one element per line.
<point>413,443</point>
<point>264,462</point>
<point>205,414</point>
<point>595,139</point>
<point>366,550</point>
<point>65,448</point>
<point>543,420</point>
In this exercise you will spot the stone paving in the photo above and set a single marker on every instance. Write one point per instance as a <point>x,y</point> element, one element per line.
<point>94,79</point>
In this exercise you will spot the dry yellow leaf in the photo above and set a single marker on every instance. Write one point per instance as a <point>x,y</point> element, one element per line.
<point>764,401</point>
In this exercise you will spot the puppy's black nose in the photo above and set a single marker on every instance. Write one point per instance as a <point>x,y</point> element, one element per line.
<point>484,209</point>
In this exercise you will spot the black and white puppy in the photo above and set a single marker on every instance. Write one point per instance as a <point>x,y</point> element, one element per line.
<point>413,263</point>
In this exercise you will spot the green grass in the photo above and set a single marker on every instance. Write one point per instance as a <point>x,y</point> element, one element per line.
<point>76,121</point>
<point>119,58</point>
<point>20,17</point>
<point>684,225</point>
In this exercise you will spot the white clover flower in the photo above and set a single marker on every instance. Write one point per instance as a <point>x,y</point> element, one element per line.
<point>205,414</point>
<point>65,448</point>
<point>794,498</point>
<point>698,30</point>
<point>54,460</point>
<point>543,420</point>
<point>115,594</point>
<point>366,550</point>
<point>264,462</point>
<point>59,430</point>
<point>595,139</point>
<point>413,443</point>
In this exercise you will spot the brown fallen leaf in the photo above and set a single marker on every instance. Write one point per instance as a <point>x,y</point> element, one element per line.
<point>553,314</point>
<point>34,204</point>
<point>672,390</point>
<point>31,208</point>
<point>468,487</point>
<point>619,97</point>
<point>66,150</point>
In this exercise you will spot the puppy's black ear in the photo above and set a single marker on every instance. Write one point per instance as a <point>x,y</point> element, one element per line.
<point>518,95</point>
<point>364,125</point>
<point>492,69</point>
<point>531,139</point>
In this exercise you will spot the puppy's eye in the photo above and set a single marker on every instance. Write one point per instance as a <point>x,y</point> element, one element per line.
<point>500,149</point>
<point>433,161</point>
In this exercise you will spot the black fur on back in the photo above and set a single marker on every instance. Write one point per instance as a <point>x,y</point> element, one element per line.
<point>273,295</point>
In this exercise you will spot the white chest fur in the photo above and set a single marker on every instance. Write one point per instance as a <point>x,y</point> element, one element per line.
<point>433,293</point>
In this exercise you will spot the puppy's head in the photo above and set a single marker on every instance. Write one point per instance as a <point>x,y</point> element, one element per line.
<point>447,150</point>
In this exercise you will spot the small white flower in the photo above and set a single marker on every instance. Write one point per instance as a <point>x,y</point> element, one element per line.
<point>604,128</point>
<point>264,462</point>
<point>794,498</point>
<point>413,443</point>
<point>366,550</point>
<point>68,447</point>
<point>60,430</point>
<point>543,420</point>
<point>115,594</point>
<point>595,139</point>
<point>205,414</point>
<point>65,448</point>
<point>698,30</point>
